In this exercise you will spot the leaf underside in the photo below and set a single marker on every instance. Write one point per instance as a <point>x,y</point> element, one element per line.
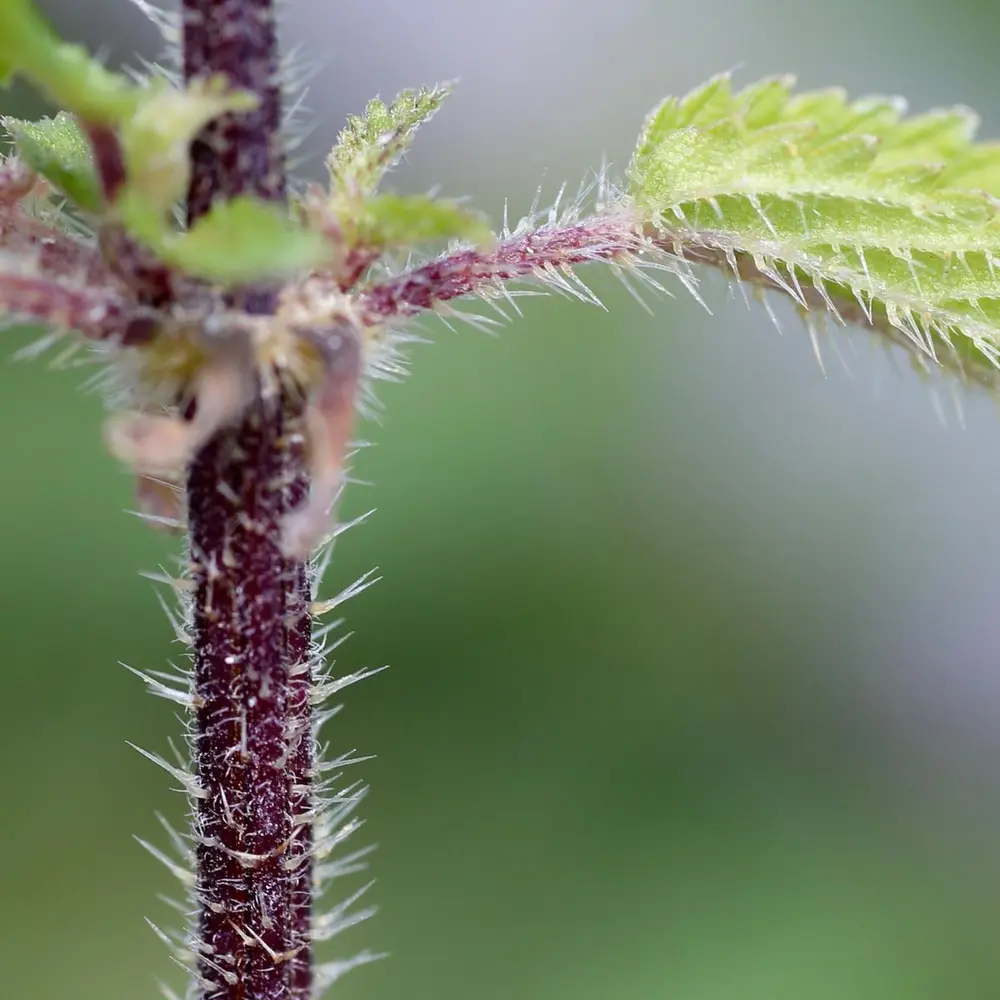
<point>852,208</point>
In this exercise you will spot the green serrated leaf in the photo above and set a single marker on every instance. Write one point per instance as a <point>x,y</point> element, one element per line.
<point>237,242</point>
<point>836,202</point>
<point>60,152</point>
<point>372,143</point>
<point>66,73</point>
<point>389,220</point>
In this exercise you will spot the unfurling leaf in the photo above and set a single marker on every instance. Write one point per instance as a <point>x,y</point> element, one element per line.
<point>157,137</point>
<point>371,144</point>
<point>849,207</point>
<point>60,152</point>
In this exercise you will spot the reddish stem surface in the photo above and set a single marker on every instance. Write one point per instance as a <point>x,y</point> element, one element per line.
<point>235,154</point>
<point>550,249</point>
<point>253,746</point>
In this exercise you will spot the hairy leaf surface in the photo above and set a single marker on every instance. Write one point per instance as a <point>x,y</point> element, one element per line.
<point>372,144</point>
<point>851,208</point>
<point>60,152</point>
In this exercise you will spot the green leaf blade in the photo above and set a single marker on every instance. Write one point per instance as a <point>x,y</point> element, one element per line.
<point>246,240</point>
<point>391,220</point>
<point>66,73</point>
<point>849,207</point>
<point>56,149</point>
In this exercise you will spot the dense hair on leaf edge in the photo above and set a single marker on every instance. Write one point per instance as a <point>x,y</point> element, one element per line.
<point>851,208</point>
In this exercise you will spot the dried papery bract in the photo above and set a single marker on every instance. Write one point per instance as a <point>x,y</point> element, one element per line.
<point>219,394</point>
<point>160,502</point>
<point>329,421</point>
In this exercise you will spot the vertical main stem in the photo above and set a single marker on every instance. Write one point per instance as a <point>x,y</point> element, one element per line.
<point>235,154</point>
<point>253,741</point>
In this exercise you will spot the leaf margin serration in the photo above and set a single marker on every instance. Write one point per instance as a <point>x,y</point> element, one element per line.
<point>852,208</point>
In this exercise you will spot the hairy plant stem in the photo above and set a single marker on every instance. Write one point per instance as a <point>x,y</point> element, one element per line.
<point>251,613</point>
<point>235,154</point>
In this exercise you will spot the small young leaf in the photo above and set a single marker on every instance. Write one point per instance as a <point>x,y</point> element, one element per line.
<point>244,240</point>
<point>848,207</point>
<point>372,143</point>
<point>60,152</point>
<point>156,137</point>
<point>388,220</point>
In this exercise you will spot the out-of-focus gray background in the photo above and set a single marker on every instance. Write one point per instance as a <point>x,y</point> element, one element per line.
<point>695,686</point>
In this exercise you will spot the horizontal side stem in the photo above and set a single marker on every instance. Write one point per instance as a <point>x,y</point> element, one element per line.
<point>95,313</point>
<point>520,255</point>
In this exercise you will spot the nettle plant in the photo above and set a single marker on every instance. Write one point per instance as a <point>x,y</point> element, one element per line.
<point>241,320</point>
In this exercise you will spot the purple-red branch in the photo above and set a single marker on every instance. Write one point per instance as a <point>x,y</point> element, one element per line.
<point>53,277</point>
<point>51,253</point>
<point>92,312</point>
<point>520,255</point>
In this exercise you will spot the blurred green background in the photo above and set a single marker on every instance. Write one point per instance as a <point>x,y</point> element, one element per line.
<point>695,690</point>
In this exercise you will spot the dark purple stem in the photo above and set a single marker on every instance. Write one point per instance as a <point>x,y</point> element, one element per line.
<point>236,154</point>
<point>253,746</point>
<point>109,159</point>
<point>252,694</point>
<point>149,279</point>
